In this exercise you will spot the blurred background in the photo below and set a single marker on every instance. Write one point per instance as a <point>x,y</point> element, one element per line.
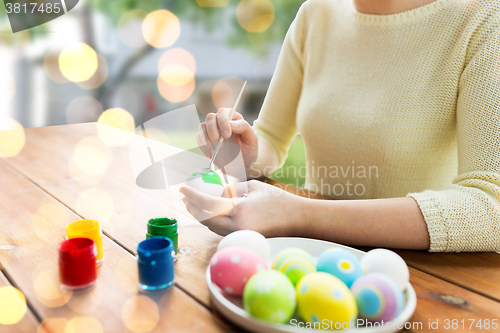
<point>145,58</point>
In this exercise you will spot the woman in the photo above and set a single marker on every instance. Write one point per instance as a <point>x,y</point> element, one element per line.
<point>409,88</point>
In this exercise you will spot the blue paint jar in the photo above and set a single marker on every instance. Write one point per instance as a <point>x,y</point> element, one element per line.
<point>155,257</point>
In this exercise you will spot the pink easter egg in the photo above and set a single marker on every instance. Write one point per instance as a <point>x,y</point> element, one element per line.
<point>232,267</point>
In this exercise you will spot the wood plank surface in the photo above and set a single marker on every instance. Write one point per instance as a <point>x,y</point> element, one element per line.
<point>439,300</point>
<point>45,161</point>
<point>479,272</point>
<point>34,222</point>
<point>28,323</point>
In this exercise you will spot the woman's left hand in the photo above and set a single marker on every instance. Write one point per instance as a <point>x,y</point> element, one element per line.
<point>252,205</point>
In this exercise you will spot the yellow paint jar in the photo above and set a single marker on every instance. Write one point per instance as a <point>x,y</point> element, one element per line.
<point>87,229</point>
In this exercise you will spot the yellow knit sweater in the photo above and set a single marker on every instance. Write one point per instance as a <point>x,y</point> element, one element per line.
<point>396,105</point>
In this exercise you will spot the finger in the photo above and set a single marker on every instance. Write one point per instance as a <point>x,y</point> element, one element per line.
<point>243,128</point>
<point>220,223</point>
<point>212,128</point>
<point>198,213</point>
<point>223,122</point>
<point>216,205</point>
<point>236,116</point>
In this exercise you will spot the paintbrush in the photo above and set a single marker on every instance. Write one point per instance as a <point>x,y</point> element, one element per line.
<point>219,144</point>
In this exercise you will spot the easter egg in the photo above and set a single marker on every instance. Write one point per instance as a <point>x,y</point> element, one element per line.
<point>294,263</point>
<point>323,297</point>
<point>232,267</point>
<point>378,297</point>
<point>388,263</point>
<point>249,239</point>
<point>340,263</point>
<point>206,181</point>
<point>270,295</point>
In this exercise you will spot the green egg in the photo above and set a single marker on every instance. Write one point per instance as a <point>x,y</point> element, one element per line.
<point>208,176</point>
<point>269,295</point>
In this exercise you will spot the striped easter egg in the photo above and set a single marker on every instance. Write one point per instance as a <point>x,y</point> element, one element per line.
<point>294,263</point>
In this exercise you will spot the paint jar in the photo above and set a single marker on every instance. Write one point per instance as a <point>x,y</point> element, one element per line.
<point>77,263</point>
<point>87,229</point>
<point>155,258</point>
<point>163,227</point>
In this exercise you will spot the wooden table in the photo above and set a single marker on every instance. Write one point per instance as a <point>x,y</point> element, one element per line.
<point>42,190</point>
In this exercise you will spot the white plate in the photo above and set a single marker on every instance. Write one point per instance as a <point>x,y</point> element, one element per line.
<point>232,307</point>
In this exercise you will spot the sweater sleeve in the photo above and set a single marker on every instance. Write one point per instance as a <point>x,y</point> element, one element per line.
<point>466,215</point>
<point>276,123</point>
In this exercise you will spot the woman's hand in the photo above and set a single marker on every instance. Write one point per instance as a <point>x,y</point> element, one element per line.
<point>239,130</point>
<point>251,205</point>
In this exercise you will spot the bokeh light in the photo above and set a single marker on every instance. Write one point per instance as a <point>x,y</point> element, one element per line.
<point>213,3</point>
<point>96,204</point>
<point>12,137</point>
<point>161,28</point>
<point>78,62</point>
<point>177,68</point>
<point>140,314</point>
<point>177,56</point>
<point>83,109</point>
<point>47,288</point>
<point>12,305</point>
<point>99,76</point>
<point>255,15</point>
<point>53,325</point>
<point>222,94</point>
<point>130,28</point>
<point>84,325</point>
<point>86,302</point>
<point>204,100</point>
<point>176,75</point>
<point>81,177</point>
<point>225,91</point>
<point>175,94</point>
<point>91,156</point>
<point>51,65</point>
<point>115,127</point>
<point>41,222</point>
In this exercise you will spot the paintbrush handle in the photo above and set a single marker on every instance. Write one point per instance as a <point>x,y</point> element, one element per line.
<point>219,144</point>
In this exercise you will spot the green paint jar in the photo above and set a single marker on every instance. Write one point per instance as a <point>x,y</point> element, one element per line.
<point>163,227</point>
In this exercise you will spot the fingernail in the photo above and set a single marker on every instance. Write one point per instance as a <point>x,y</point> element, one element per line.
<point>225,133</point>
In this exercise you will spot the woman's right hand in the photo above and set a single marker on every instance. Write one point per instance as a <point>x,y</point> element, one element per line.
<point>238,129</point>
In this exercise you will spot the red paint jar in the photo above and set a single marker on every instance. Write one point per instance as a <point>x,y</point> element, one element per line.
<point>77,263</point>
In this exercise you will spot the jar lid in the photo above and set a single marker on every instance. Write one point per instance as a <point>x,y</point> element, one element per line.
<point>162,226</point>
<point>155,249</point>
<point>84,228</point>
<point>76,249</point>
